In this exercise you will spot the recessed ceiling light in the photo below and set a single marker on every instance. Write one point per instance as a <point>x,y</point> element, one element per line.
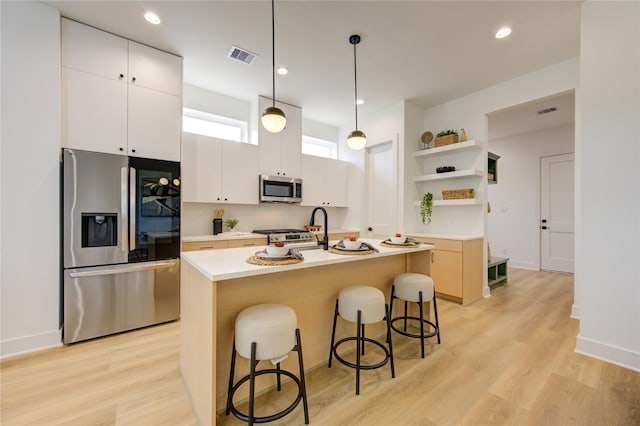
<point>359,101</point>
<point>282,71</point>
<point>503,32</point>
<point>152,18</point>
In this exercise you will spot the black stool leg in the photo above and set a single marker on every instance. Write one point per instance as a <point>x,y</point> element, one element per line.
<point>421,323</point>
<point>405,315</point>
<point>303,383</point>
<point>391,299</point>
<point>435,312</point>
<point>279,388</point>
<point>252,382</point>
<point>231,373</point>
<point>362,336</point>
<point>387,310</point>
<point>333,333</point>
<point>358,343</point>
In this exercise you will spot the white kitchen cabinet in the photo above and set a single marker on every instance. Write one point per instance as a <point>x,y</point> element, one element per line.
<point>119,96</point>
<point>324,181</point>
<point>218,171</point>
<point>279,153</point>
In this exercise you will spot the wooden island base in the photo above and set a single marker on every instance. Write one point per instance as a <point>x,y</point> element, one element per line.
<point>208,311</point>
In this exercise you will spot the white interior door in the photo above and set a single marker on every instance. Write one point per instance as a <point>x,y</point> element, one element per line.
<point>556,213</point>
<point>381,190</point>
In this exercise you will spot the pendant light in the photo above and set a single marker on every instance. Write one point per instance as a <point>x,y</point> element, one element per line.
<point>357,139</point>
<point>273,118</point>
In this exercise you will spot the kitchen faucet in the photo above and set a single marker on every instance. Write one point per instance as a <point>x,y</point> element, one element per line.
<point>325,241</point>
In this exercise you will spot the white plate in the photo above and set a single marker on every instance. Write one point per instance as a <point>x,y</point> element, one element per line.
<point>362,248</point>
<point>263,255</point>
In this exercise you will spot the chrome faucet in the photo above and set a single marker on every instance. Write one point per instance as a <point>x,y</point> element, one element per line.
<point>325,241</point>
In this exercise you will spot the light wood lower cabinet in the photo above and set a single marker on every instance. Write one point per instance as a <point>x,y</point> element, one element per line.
<point>456,268</point>
<point>221,244</point>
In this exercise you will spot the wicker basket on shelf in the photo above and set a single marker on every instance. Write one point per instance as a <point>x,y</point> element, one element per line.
<point>446,140</point>
<point>457,194</point>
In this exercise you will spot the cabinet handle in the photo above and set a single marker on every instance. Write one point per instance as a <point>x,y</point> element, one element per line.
<point>133,79</point>
<point>133,150</point>
<point>121,76</point>
<point>205,248</point>
<point>226,199</point>
<point>121,149</point>
<point>433,257</point>
<point>369,229</point>
<point>218,199</point>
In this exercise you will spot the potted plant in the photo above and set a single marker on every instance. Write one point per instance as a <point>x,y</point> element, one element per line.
<point>426,207</point>
<point>231,223</point>
<point>446,137</point>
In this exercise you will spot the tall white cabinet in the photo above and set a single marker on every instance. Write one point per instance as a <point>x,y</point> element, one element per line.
<point>119,96</point>
<point>279,153</point>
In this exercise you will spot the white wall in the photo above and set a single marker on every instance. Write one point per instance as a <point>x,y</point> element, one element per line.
<point>608,263</point>
<point>513,226</point>
<point>197,217</point>
<point>30,225</point>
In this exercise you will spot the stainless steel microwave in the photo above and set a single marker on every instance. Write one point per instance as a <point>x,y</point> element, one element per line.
<point>280,189</point>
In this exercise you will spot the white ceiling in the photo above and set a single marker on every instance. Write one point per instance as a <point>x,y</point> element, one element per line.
<point>424,51</point>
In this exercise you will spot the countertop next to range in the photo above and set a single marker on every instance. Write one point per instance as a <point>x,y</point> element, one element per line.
<point>231,263</point>
<point>239,235</point>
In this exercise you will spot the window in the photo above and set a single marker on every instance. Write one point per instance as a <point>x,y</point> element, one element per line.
<point>319,147</point>
<point>217,126</point>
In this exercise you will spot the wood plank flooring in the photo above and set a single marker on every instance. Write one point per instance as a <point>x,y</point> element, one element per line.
<point>506,360</point>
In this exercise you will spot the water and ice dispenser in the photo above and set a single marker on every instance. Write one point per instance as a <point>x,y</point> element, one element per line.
<point>99,229</point>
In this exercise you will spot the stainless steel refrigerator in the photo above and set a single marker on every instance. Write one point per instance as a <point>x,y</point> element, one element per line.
<point>121,243</point>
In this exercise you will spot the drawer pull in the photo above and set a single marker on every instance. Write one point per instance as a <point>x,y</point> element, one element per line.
<point>206,248</point>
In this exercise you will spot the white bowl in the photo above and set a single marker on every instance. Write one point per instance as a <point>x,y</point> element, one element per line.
<point>351,245</point>
<point>398,240</point>
<point>277,251</point>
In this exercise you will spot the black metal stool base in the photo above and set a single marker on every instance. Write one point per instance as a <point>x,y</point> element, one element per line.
<point>422,335</point>
<point>265,419</point>
<point>387,355</point>
<point>250,418</point>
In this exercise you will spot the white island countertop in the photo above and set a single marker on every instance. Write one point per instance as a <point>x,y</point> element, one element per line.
<point>224,264</point>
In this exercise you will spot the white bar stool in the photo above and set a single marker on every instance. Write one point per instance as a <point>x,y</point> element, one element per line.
<point>266,332</point>
<point>418,288</point>
<point>361,305</point>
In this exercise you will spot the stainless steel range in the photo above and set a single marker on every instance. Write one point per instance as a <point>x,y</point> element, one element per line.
<point>295,238</point>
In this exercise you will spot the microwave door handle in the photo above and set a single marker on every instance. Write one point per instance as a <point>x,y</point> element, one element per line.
<point>132,203</point>
<point>124,209</point>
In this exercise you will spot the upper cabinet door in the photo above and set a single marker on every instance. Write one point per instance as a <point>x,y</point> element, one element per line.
<point>155,69</point>
<point>93,51</point>
<point>279,153</point>
<point>337,183</point>
<point>154,124</point>
<point>201,169</point>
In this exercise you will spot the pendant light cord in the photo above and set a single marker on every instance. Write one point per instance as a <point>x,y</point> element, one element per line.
<point>273,50</point>
<point>355,79</point>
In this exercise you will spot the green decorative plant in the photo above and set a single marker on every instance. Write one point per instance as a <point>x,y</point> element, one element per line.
<point>426,207</point>
<point>447,132</point>
<point>231,223</point>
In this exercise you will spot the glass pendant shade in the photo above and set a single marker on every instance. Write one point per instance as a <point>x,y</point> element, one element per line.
<point>357,140</point>
<point>273,119</point>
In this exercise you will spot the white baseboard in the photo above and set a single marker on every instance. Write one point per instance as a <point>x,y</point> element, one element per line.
<point>609,353</point>
<point>523,265</point>
<point>575,311</point>
<point>31,343</point>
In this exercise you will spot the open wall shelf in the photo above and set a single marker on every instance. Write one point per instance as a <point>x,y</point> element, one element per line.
<point>449,175</point>
<point>444,203</point>
<point>447,149</point>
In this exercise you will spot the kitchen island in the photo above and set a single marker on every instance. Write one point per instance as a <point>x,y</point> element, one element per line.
<point>217,284</point>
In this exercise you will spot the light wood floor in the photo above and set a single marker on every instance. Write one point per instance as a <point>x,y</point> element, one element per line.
<point>506,360</point>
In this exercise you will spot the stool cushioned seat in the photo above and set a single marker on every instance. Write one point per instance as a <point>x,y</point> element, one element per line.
<point>271,326</point>
<point>368,300</point>
<point>409,285</point>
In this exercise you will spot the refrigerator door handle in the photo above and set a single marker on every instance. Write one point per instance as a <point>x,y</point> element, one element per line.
<point>121,269</point>
<point>133,181</point>
<point>124,208</point>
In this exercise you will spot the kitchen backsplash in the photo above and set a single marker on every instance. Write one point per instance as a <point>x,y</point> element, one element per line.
<point>197,217</point>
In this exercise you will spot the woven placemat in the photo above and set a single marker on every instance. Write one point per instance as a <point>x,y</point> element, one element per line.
<point>384,244</point>
<point>255,260</point>
<point>350,252</point>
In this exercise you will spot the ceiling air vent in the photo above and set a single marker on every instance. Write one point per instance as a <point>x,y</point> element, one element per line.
<point>241,55</point>
<point>547,110</point>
